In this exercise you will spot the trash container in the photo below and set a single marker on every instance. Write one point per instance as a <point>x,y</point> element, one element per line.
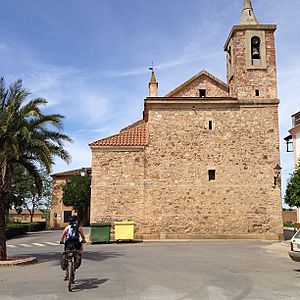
<point>100,232</point>
<point>124,230</point>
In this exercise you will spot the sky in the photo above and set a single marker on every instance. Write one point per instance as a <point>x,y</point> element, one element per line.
<point>90,59</point>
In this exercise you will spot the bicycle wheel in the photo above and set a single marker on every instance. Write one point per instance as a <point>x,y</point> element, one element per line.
<point>71,275</point>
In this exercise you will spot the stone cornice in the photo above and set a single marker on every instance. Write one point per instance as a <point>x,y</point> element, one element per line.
<point>294,130</point>
<point>271,27</point>
<point>117,148</point>
<point>259,101</point>
<point>189,100</point>
<point>186,102</point>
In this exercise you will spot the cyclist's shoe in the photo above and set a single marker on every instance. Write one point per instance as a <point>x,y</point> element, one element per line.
<point>66,277</point>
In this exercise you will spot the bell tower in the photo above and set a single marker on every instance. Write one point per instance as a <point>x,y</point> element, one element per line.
<point>251,64</point>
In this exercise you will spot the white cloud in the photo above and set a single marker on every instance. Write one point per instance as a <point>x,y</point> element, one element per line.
<point>81,157</point>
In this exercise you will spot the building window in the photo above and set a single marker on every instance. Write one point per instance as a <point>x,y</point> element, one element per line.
<point>210,125</point>
<point>255,47</point>
<point>202,93</point>
<point>256,93</point>
<point>211,175</point>
<point>229,55</point>
<point>67,216</point>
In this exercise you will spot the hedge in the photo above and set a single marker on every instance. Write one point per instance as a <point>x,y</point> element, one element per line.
<point>14,229</point>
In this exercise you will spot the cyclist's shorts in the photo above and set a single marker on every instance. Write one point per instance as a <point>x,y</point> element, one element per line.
<point>76,243</point>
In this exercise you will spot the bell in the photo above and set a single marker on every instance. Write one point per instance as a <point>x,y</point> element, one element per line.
<point>255,53</point>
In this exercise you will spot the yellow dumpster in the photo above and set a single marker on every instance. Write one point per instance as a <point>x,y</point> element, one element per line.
<point>124,230</point>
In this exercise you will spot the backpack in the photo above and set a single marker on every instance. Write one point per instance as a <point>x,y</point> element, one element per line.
<point>72,232</point>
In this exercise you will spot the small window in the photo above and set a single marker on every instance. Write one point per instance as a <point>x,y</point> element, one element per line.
<point>229,55</point>
<point>256,93</point>
<point>211,175</point>
<point>67,216</point>
<point>210,125</point>
<point>202,93</point>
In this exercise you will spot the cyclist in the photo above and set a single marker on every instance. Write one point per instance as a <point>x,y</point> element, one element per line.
<point>71,234</point>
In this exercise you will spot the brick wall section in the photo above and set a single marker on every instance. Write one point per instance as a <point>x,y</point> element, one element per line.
<point>117,187</point>
<point>203,82</point>
<point>289,216</point>
<point>179,199</point>
<point>245,82</point>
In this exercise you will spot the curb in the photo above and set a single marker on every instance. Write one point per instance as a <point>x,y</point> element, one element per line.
<point>18,261</point>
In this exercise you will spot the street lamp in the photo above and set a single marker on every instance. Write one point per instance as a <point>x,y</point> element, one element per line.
<point>277,171</point>
<point>82,172</point>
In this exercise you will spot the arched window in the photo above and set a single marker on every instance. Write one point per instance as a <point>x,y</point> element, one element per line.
<point>255,47</point>
<point>229,55</point>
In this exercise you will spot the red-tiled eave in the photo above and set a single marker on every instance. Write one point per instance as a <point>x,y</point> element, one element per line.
<point>130,136</point>
<point>71,172</point>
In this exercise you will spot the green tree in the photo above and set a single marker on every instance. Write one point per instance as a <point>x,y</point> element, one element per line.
<point>24,192</point>
<point>28,138</point>
<point>292,193</point>
<point>77,193</point>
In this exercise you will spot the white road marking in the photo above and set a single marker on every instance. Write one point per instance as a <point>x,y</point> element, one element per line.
<point>51,243</point>
<point>11,246</point>
<point>25,245</point>
<point>38,244</point>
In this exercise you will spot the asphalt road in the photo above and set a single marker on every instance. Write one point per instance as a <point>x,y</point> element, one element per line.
<point>154,270</point>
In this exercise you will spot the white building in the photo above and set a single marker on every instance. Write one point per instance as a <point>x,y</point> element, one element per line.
<point>294,137</point>
<point>294,140</point>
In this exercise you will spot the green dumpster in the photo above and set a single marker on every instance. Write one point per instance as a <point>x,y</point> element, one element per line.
<point>100,232</point>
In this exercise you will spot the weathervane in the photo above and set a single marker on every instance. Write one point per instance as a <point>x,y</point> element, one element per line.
<point>152,67</point>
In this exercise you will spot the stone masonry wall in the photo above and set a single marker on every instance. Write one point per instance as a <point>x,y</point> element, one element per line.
<point>243,148</point>
<point>245,82</point>
<point>203,82</point>
<point>117,187</point>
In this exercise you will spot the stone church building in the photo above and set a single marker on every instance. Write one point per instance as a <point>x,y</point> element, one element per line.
<point>201,162</point>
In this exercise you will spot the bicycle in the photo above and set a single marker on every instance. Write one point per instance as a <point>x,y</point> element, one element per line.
<point>73,259</point>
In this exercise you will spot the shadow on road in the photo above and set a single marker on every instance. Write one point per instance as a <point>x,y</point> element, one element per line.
<point>87,284</point>
<point>87,255</point>
<point>30,234</point>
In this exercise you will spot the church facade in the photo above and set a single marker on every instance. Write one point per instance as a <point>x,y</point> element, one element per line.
<point>200,164</point>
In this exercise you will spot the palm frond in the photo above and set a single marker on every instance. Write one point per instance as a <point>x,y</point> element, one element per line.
<point>26,134</point>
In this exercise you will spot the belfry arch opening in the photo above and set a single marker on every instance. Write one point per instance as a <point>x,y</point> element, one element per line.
<point>255,47</point>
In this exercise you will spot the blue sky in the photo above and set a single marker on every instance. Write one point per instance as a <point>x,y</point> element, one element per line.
<point>90,58</point>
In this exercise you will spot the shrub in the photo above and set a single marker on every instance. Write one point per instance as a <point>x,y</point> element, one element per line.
<point>35,226</point>
<point>289,224</point>
<point>14,229</point>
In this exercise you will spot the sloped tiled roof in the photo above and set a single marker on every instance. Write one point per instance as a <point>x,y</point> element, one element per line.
<point>70,172</point>
<point>134,135</point>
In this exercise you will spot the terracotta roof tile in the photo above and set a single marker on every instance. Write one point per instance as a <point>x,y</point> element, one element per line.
<point>130,136</point>
<point>70,172</point>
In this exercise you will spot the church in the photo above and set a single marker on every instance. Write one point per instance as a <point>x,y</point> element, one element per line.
<point>204,160</point>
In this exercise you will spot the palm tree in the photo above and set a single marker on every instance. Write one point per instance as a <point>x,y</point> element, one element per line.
<point>28,138</point>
